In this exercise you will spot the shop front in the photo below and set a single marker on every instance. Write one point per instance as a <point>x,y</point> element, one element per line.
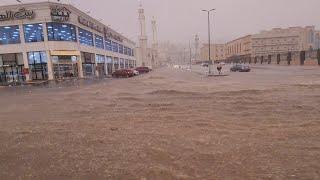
<point>121,63</point>
<point>109,63</point>
<point>38,67</point>
<point>11,68</point>
<point>65,64</point>
<point>116,63</point>
<point>130,63</point>
<point>88,64</point>
<point>101,65</point>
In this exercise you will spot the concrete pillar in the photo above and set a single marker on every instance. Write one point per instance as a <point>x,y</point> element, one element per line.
<point>80,71</point>
<point>50,66</point>
<point>96,65</point>
<point>26,65</point>
<point>79,58</point>
<point>318,56</point>
<point>49,63</point>
<point>24,53</point>
<point>105,65</point>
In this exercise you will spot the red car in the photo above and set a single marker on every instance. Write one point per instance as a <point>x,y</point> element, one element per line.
<point>143,70</point>
<point>123,73</point>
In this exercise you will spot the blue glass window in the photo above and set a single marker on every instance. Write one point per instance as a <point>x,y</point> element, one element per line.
<point>115,47</point>
<point>33,32</point>
<point>121,63</point>
<point>37,57</point>
<point>128,51</point>
<point>9,35</point>
<point>108,44</point>
<point>85,37</point>
<point>99,42</point>
<point>125,50</point>
<point>61,32</point>
<point>100,58</point>
<point>132,52</point>
<point>120,48</point>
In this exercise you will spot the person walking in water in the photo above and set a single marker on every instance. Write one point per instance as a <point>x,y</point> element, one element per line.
<point>219,68</point>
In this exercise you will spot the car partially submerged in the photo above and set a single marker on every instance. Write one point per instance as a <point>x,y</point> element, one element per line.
<point>143,70</point>
<point>240,68</point>
<point>123,73</point>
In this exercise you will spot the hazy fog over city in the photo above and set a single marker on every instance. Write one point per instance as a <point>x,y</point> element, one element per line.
<point>139,89</point>
<point>180,20</point>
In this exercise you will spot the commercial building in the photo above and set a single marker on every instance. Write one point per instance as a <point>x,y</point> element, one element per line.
<point>47,41</point>
<point>217,52</point>
<point>269,46</point>
<point>278,40</point>
<point>239,47</point>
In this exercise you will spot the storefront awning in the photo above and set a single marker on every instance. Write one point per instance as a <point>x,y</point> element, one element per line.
<point>65,53</point>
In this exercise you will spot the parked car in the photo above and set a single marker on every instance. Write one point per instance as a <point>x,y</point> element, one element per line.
<point>123,73</point>
<point>240,68</point>
<point>143,70</point>
<point>205,65</point>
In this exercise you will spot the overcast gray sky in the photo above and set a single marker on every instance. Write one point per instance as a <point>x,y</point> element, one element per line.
<point>180,20</point>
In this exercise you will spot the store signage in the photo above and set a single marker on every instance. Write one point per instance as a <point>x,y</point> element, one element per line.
<point>90,24</point>
<point>17,15</point>
<point>107,33</point>
<point>60,14</point>
<point>111,35</point>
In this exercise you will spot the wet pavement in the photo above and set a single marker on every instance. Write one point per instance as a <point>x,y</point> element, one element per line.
<point>169,124</point>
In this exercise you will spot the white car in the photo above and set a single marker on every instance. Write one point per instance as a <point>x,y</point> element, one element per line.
<point>135,72</point>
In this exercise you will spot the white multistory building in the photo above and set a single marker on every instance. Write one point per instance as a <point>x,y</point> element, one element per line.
<point>48,41</point>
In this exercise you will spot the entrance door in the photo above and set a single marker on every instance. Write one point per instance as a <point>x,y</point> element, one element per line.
<point>11,71</point>
<point>38,65</point>
<point>65,67</point>
<point>101,69</point>
<point>109,66</point>
<point>88,70</point>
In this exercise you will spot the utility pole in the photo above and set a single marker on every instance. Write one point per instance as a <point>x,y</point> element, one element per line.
<point>209,39</point>
<point>190,55</point>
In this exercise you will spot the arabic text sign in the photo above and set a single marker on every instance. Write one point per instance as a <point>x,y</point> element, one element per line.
<point>18,15</point>
<point>60,14</point>
<point>90,24</point>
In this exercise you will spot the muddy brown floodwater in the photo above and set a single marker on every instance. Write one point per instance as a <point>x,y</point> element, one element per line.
<point>169,124</point>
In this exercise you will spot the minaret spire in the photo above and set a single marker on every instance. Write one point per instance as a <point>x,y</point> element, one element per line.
<point>143,39</point>
<point>154,42</point>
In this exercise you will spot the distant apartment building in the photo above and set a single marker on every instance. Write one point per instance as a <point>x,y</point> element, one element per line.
<point>278,40</point>
<point>217,52</point>
<point>265,44</point>
<point>239,47</point>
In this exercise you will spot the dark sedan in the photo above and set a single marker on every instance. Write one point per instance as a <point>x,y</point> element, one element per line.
<point>240,68</point>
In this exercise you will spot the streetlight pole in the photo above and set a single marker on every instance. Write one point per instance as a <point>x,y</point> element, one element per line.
<point>209,38</point>
<point>190,55</point>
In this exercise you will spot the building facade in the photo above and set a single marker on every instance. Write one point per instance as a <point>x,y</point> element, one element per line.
<point>278,40</point>
<point>241,47</point>
<point>47,41</point>
<point>217,52</point>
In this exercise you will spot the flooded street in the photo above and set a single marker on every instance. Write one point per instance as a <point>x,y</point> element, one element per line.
<point>168,124</point>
